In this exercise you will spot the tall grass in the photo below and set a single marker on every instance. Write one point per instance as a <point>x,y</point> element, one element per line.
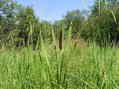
<point>60,65</point>
<point>71,68</point>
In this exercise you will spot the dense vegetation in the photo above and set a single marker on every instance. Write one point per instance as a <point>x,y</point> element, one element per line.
<point>83,68</point>
<point>80,51</point>
<point>20,27</point>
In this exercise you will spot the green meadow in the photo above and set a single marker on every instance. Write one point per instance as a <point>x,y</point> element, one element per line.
<point>79,51</point>
<point>72,67</point>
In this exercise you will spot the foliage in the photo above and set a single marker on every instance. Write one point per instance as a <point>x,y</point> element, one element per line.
<point>27,24</point>
<point>74,19</point>
<point>72,65</point>
<point>19,25</point>
<point>102,26</point>
<point>8,11</point>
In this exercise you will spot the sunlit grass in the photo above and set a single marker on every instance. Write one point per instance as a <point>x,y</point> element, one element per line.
<point>94,68</point>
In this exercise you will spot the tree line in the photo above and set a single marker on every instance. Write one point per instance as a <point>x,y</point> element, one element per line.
<point>19,26</point>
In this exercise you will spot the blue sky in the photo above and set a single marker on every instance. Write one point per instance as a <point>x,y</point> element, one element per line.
<point>52,10</point>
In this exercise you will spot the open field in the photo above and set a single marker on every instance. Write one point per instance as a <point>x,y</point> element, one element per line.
<point>72,68</point>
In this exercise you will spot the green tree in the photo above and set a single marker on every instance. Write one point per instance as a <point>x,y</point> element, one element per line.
<point>74,18</point>
<point>8,18</point>
<point>100,5</point>
<point>27,24</point>
<point>104,26</point>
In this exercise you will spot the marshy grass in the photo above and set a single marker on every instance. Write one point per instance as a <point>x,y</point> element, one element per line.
<point>59,64</point>
<point>94,68</point>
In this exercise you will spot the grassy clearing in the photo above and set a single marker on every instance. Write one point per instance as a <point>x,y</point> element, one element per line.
<point>72,68</point>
